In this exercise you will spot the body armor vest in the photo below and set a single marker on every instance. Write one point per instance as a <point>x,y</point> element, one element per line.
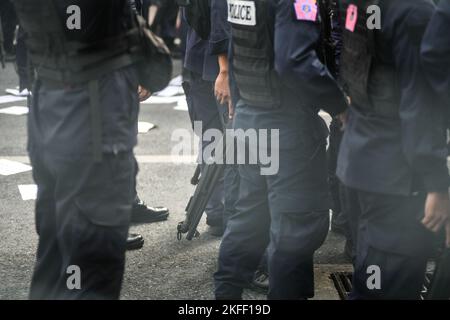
<point>370,82</point>
<point>62,61</point>
<point>253,60</point>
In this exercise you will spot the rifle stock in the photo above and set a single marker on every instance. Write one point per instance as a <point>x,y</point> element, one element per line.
<point>440,283</point>
<point>205,180</point>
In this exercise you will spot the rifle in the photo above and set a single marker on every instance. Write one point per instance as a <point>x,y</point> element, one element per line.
<point>210,176</point>
<point>327,11</point>
<point>205,180</point>
<point>440,282</point>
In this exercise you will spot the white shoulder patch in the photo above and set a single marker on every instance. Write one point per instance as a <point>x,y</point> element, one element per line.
<point>242,12</point>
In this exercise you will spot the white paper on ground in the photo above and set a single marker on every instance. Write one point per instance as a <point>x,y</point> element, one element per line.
<point>144,127</point>
<point>17,93</point>
<point>28,191</point>
<point>15,110</point>
<point>182,106</point>
<point>161,100</point>
<point>8,167</point>
<point>9,98</point>
<point>165,100</point>
<point>177,81</point>
<point>170,91</point>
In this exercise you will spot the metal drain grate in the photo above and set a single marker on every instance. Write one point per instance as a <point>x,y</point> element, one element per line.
<point>343,284</point>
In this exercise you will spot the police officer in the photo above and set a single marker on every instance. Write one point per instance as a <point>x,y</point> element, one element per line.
<point>8,19</point>
<point>282,85</point>
<point>201,71</point>
<point>436,61</point>
<point>141,212</point>
<point>393,157</point>
<point>82,128</point>
<point>219,46</point>
<point>436,51</point>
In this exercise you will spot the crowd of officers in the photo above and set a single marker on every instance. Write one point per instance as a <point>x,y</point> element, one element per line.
<point>387,89</point>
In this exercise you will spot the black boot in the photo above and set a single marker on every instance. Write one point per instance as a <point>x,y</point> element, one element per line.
<point>261,281</point>
<point>141,213</point>
<point>135,242</point>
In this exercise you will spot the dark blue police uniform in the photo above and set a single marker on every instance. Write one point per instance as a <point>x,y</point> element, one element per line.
<point>219,43</point>
<point>436,51</point>
<point>393,150</point>
<point>198,85</point>
<point>84,203</point>
<point>287,211</point>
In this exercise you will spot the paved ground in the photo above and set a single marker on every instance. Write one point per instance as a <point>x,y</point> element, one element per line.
<point>164,268</point>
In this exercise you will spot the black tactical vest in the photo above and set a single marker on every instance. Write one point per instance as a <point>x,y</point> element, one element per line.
<point>60,60</point>
<point>253,60</point>
<point>370,81</point>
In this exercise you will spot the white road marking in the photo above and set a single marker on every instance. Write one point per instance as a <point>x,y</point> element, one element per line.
<point>9,99</point>
<point>10,167</point>
<point>15,110</point>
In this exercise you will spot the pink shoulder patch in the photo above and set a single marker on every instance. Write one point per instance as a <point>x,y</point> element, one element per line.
<point>352,18</point>
<point>306,10</point>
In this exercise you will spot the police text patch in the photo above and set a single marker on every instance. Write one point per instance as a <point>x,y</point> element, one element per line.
<point>242,12</point>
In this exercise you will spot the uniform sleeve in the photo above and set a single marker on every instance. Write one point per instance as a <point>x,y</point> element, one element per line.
<point>436,51</point>
<point>297,63</point>
<point>220,28</point>
<point>422,125</point>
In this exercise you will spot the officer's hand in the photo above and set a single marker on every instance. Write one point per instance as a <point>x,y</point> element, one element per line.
<point>343,119</point>
<point>437,213</point>
<point>144,94</point>
<point>222,88</point>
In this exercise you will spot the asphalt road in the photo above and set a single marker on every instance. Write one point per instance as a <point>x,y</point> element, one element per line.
<point>165,268</point>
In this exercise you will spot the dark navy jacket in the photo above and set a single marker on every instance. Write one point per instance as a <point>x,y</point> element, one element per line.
<point>59,115</point>
<point>305,81</point>
<point>436,51</point>
<point>407,154</point>
<point>220,28</point>
<point>220,40</point>
<point>198,58</point>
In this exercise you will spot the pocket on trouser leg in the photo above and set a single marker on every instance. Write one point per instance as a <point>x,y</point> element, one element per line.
<point>106,197</point>
<point>386,275</point>
<point>98,253</point>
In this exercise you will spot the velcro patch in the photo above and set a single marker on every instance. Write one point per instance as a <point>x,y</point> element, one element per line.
<point>306,10</point>
<point>352,18</point>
